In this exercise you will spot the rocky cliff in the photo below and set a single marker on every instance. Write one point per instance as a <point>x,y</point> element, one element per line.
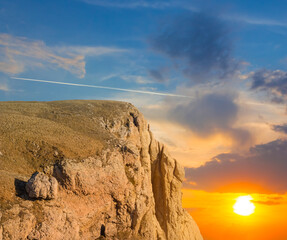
<point>98,173</point>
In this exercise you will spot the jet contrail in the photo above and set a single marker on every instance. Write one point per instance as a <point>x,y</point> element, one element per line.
<point>102,87</point>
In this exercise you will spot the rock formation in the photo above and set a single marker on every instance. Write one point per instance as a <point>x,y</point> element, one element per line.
<point>42,186</point>
<point>115,180</point>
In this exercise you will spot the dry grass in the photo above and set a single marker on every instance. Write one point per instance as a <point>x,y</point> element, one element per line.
<point>37,134</point>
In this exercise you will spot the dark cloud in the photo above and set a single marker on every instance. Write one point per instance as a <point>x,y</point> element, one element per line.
<point>200,43</point>
<point>276,99</point>
<point>262,170</point>
<point>280,128</point>
<point>210,114</point>
<point>273,83</point>
<point>156,75</point>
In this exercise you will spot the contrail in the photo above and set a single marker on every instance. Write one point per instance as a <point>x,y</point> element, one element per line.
<point>102,87</point>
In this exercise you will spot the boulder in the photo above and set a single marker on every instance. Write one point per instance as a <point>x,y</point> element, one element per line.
<point>42,186</point>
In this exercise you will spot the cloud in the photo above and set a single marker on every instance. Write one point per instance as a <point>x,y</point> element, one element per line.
<point>200,45</point>
<point>157,75</point>
<point>274,83</point>
<point>132,4</point>
<point>17,54</point>
<point>254,21</point>
<point>269,203</point>
<point>280,128</point>
<point>89,51</point>
<point>185,5</point>
<point>136,79</point>
<point>210,114</point>
<point>20,53</point>
<point>4,87</point>
<point>182,4</point>
<point>262,169</point>
<point>269,200</point>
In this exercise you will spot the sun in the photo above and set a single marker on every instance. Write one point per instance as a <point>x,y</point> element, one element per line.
<point>243,206</point>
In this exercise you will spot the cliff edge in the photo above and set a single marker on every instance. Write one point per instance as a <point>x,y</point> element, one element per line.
<point>97,173</point>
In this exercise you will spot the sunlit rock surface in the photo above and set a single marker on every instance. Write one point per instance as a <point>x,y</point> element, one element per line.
<point>115,180</point>
<point>42,186</point>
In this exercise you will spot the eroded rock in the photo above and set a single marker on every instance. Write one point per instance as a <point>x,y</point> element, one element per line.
<point>42,186</point>
<point>19,224</point>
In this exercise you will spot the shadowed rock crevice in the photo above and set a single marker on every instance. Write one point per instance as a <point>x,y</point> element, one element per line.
<point>103,231</point>
<point>135,120</point>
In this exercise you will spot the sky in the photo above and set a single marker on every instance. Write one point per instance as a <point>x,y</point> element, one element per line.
<point>209,76</point>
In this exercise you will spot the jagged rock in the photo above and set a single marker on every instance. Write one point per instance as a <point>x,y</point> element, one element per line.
<point>42,186</point>
<point>130,188</point>
<point>18,225</point>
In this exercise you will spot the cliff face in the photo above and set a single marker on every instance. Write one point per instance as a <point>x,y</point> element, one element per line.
<point>115,180</point>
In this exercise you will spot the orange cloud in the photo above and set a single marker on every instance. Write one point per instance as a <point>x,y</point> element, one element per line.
<point>262,169</point>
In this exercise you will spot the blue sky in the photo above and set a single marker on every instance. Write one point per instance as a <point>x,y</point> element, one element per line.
<point>229,57</point>
<point>258,32</point>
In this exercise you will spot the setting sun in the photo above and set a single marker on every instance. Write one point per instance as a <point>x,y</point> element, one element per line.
<point>243,206</point>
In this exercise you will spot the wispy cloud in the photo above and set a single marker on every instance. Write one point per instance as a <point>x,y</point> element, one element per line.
<point>136,79</point>
<point>130,78</point>
<point>89,51</point>
<point>4,87</point>
<point>181,4</point>
<point>131,4</point>
<point>254,21</point>
<point>269,202</point>
<point>18,54</point>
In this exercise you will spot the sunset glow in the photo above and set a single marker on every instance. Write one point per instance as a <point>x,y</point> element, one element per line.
<point>243,206</point>
<point>215,215</point>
